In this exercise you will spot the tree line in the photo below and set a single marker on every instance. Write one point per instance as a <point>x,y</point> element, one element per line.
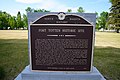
<point>8,21</point>
<point>104,21</point>
<point>12,22</point>
<point>110,20</point>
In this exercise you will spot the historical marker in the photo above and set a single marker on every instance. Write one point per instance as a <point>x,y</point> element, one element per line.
<point>61,42</point>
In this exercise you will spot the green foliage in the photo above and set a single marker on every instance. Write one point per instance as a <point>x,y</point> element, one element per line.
<point>69,10</point>
<point>102,20</point>
<point>80,9</point>
<point>40,10</point>
<point>29,9</point>
<point>19,21</point>
<point>114,16</point>
<point>25,21</point>
<point>4,20</point>
<point>12,22</point>
<point>96,13</point>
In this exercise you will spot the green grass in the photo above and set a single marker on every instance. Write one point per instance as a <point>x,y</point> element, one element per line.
<point>14,54</point>
<point>107,60</point>
<point>107,54</point>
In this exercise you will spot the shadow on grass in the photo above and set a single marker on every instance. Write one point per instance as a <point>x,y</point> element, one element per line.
<point>2,73</point>
<point>13,57</point>
<point>107,60</point>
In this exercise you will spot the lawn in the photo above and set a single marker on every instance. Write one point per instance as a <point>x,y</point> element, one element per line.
<point>14,53</point>
<point>107,54</point>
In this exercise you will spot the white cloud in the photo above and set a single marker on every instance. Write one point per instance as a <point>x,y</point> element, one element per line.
<point>52,5</point>
<point>29,1</point>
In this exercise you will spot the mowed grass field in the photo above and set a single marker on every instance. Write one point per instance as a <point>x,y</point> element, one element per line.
<point>14,53</point>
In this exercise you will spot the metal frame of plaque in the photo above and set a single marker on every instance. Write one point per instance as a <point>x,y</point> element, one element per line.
<point>70,28</point>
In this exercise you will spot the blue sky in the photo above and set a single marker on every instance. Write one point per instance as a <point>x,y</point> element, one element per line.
<point>90,6</point>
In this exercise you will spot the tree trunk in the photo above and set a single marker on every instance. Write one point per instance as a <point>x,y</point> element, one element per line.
<point>117,31</point>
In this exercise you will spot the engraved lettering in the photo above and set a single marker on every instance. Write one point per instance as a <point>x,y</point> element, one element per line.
<point>53,30</point>
<point>41,30</point>
<point>68,30</point>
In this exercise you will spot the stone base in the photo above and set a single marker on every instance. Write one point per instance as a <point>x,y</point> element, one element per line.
<point>27,74</point>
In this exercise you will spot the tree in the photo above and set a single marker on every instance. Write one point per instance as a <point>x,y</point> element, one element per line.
<point>114,16</point>
<point>40,10</point>
<point>1,26</point>
<point>4,20</point>
<point>19,21</point>
<point>80,9</point>
<point>97,21</point>
<point>25,21</point>
<point>103,20</point>
<point>29,9</point>
<point>69,10</point>
<point>12,22</point>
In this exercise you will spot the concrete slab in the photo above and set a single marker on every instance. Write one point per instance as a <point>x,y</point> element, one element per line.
<point>27,74</point>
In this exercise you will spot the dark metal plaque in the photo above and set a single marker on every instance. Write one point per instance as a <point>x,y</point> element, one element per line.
<point>66,47</point>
